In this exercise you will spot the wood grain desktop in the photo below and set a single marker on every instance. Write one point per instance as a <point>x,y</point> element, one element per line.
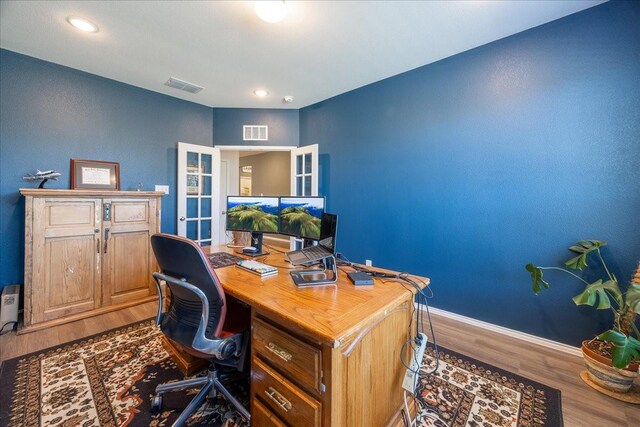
<point>323,356</point>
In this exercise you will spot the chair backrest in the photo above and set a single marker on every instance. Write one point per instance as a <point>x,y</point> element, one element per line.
<point>183,259</point>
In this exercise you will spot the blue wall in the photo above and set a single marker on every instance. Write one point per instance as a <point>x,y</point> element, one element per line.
<point>463,170</point>
<point>50,114</point>
<point>467,169</point>
<point>283,126</point>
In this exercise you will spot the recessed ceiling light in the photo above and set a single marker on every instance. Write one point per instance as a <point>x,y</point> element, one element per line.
<point>82,24</point>
<point>261,93</point>
<point>270,11</point>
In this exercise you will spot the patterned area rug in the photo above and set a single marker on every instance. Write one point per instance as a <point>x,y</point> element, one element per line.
<point>105,380</point>
<point>466,392</point>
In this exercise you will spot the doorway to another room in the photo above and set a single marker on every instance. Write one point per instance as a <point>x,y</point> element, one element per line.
<point>260,173</point>
<point>206,175</point>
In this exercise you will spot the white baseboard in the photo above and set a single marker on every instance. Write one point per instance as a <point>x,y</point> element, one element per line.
<point>558,346</point>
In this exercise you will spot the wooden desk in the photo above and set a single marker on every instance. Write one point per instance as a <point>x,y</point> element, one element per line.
<point>323,356</point>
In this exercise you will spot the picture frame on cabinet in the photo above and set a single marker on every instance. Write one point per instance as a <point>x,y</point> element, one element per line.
<point>95,175</point>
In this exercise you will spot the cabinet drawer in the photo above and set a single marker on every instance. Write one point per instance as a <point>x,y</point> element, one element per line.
<point>261,416</point>
<point>293,356</point>
<point>284,399</point>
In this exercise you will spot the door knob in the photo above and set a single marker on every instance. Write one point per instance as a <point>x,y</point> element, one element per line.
<point>182,218</point>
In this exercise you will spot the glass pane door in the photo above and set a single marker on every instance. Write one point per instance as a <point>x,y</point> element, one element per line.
<point>304,171</point>
<point>198,189</point>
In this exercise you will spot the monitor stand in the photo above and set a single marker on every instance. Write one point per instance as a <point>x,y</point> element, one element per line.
<point>327,276</point>
<point>256,242</point>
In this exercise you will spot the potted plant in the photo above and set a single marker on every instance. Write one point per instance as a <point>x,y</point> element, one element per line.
<point>612,357</point>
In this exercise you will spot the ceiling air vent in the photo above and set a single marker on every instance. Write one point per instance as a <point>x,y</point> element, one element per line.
<point>182,85</point>
<point>255,133</point>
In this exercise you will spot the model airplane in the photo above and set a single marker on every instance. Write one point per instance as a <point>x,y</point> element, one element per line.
<point>43,176</point>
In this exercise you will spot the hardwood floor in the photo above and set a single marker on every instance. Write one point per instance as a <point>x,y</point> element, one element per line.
<point>581,405</point>
<point>12,345</point>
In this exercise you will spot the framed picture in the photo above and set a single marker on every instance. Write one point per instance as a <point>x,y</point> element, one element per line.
<point>95,174</point>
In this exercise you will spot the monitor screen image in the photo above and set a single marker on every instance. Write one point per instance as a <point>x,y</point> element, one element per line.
<point>252,213</point>
<point>301,216</point>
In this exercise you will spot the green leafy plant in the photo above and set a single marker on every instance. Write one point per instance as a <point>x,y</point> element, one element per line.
<point>603,294</point>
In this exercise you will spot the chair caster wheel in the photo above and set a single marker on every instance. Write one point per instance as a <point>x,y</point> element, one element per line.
<point>156,403</point>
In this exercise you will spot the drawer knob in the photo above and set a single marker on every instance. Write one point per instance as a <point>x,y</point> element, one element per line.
<point>279,351</point>
<point>279,399</point>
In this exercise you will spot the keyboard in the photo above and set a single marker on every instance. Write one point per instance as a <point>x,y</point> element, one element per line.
<point>308,254</point>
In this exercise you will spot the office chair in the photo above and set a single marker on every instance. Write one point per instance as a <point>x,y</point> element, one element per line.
<point>200,318</point>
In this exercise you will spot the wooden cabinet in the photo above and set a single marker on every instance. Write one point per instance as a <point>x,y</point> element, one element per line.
<point>87,252</point>
<point>294,357</point>
<point>298,381</point>
<point>285,375</point>
<point>283,397</point>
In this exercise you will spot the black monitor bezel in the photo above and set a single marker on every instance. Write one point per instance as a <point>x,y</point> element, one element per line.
<point>277,198</point>
<point>334,220</point>
<point>324,209</point>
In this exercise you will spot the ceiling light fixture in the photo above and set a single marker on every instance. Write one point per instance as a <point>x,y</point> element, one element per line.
<point>82,24</point>
<point>270,11</point>
<point>261,93</point>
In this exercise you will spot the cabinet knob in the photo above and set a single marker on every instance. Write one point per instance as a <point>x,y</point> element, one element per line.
<point>182,218</point>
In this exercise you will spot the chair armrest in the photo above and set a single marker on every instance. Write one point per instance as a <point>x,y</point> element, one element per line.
<point>220,348</point>
<point>160,298</point>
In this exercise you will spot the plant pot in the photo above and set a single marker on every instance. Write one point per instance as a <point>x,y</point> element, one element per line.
<point>601,371</point>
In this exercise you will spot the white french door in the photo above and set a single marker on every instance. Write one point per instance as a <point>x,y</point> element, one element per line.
<point>304,171</point>
<point>198,193</point>
<point>304,176</point>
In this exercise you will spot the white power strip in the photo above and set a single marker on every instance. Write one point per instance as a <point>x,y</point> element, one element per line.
<point>411,377</point>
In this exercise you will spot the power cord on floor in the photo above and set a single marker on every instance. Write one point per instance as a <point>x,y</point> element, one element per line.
<point>8,330</point>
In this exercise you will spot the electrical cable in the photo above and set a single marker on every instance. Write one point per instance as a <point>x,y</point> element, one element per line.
<point>415,282</point>
<point>273,248</point>
<point>8,330</point>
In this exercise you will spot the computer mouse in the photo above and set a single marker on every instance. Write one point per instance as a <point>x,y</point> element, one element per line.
<point>249,249</point>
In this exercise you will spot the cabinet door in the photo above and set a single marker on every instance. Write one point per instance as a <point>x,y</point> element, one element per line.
<point>66,260</point>
<point>128,260</point>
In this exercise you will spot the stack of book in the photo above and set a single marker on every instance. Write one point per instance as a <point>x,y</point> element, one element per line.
<point>255,267</point>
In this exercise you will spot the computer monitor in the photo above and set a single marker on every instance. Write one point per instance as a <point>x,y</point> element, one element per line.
<point>301,216</point>
<point>255,214</point>
<point>328,231</point>
<point>307,277</point>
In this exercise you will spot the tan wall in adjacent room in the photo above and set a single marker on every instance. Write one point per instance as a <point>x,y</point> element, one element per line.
<point>270,173</point>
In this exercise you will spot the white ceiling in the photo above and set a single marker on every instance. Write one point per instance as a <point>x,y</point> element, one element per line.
<point>321,49</point>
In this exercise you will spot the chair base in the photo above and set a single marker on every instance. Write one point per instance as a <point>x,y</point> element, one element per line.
<point>210,386</point>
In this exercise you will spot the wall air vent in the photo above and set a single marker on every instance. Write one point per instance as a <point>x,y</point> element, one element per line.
<point>182,85</point>
<point>255,133</point>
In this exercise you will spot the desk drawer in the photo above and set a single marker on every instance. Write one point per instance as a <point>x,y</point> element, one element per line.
<point>299,359</point>
<point>261,416</point>
<point>284,399</point>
